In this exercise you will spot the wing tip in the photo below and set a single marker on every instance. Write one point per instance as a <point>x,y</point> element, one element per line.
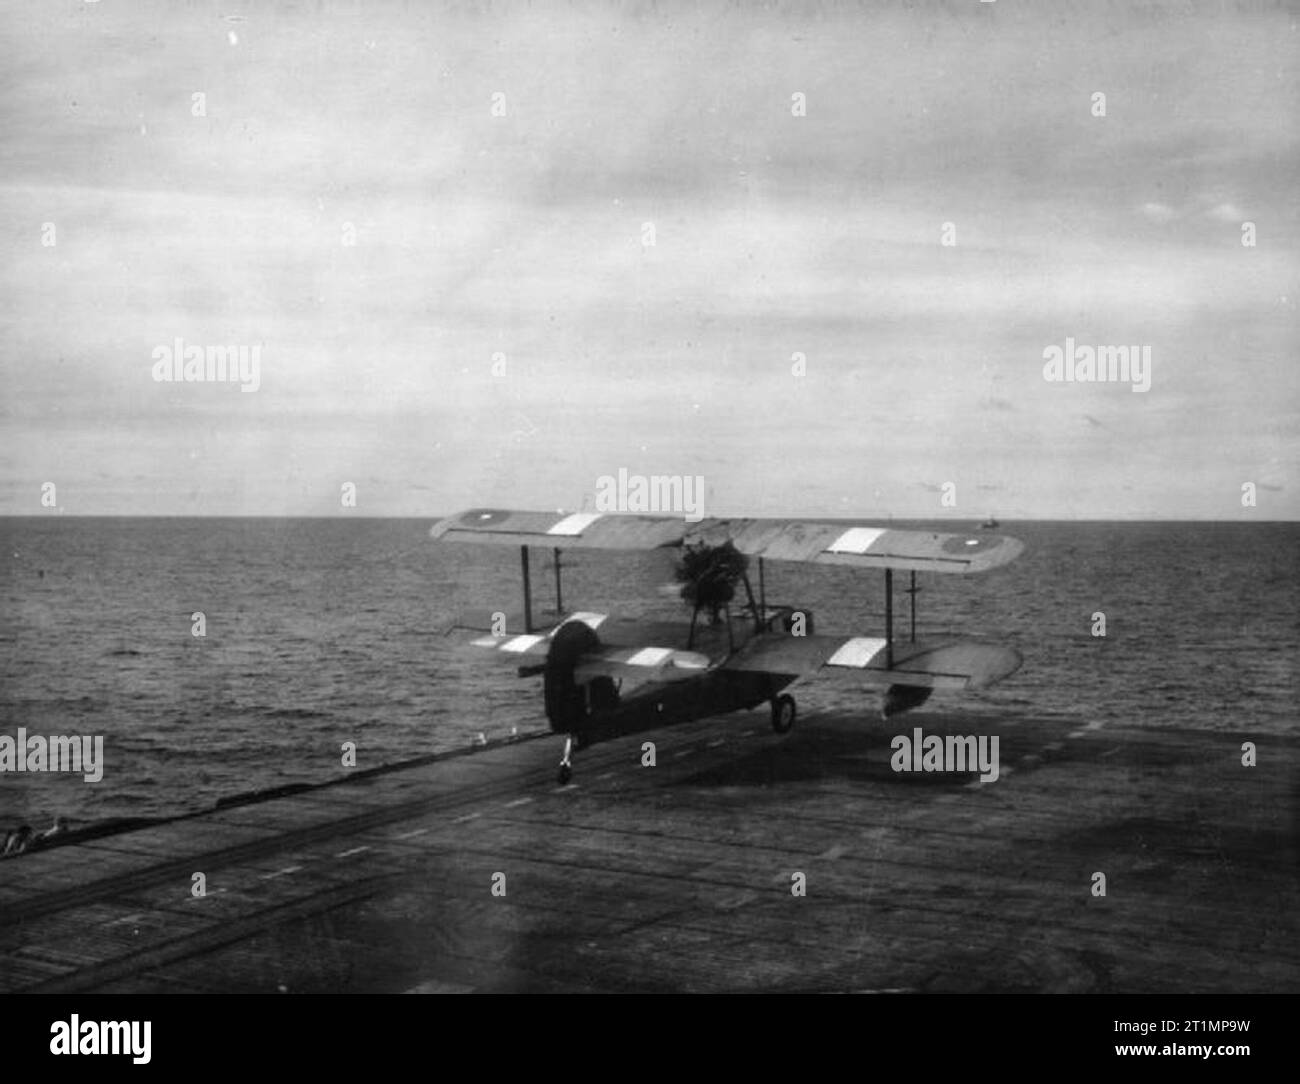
<point>1011,661</point>
<point>1006,551</point>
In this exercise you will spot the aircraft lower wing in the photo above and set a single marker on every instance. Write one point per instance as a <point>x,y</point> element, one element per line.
<point>633,655</point>
<point>710,640</point>
<point>947,664</point>
<point>640,664</point>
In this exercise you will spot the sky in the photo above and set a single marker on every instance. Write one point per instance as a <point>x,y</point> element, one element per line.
<point>487,254</point>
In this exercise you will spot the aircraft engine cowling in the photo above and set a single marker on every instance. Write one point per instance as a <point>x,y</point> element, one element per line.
<point>901,698</point>
<point>566,702</point>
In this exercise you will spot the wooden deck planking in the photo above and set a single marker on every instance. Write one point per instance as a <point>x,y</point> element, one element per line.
<point>678,877</point>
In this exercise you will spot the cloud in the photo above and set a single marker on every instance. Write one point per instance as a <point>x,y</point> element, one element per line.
<point>1226,212</point>
<point>1220,212</point>
<point>1159,212</point>
<point>774,234</point>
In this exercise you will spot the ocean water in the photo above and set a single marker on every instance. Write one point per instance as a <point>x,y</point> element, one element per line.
<point>325,631</point>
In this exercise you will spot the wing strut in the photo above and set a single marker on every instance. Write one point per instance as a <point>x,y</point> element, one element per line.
<point>559,592</point>
<point>889,619</point>
<point>528,592</point>
<point>912,590</point>
<point>753,603</point>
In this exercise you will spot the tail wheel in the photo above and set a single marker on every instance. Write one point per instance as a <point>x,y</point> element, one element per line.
<point>783,713</point>
<point>565,774</point>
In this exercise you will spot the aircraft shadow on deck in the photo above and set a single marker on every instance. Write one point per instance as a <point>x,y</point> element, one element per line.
<point>857,748</point>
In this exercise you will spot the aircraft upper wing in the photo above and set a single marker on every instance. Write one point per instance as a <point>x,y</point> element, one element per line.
<point>587,530</point>
<point>859,545</point>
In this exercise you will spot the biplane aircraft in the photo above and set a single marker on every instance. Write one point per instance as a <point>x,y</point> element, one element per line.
<point>605,677</point>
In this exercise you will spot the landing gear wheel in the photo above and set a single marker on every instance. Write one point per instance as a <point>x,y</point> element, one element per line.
<point>566,773</point>
<point>783,713</point>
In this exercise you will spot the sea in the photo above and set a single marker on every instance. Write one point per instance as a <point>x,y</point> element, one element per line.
<point>215,657</point>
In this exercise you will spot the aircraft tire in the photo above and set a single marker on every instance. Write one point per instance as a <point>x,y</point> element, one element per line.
<point>565,774</point>
<point>783,713</point>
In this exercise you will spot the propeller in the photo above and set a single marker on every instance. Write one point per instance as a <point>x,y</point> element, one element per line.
<point>708,575</point>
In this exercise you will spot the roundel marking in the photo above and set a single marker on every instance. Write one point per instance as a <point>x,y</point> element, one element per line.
<point>963,545</point>
<point>484,517</point>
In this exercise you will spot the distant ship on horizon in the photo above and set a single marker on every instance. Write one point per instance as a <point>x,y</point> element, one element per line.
<point>989,524</point>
